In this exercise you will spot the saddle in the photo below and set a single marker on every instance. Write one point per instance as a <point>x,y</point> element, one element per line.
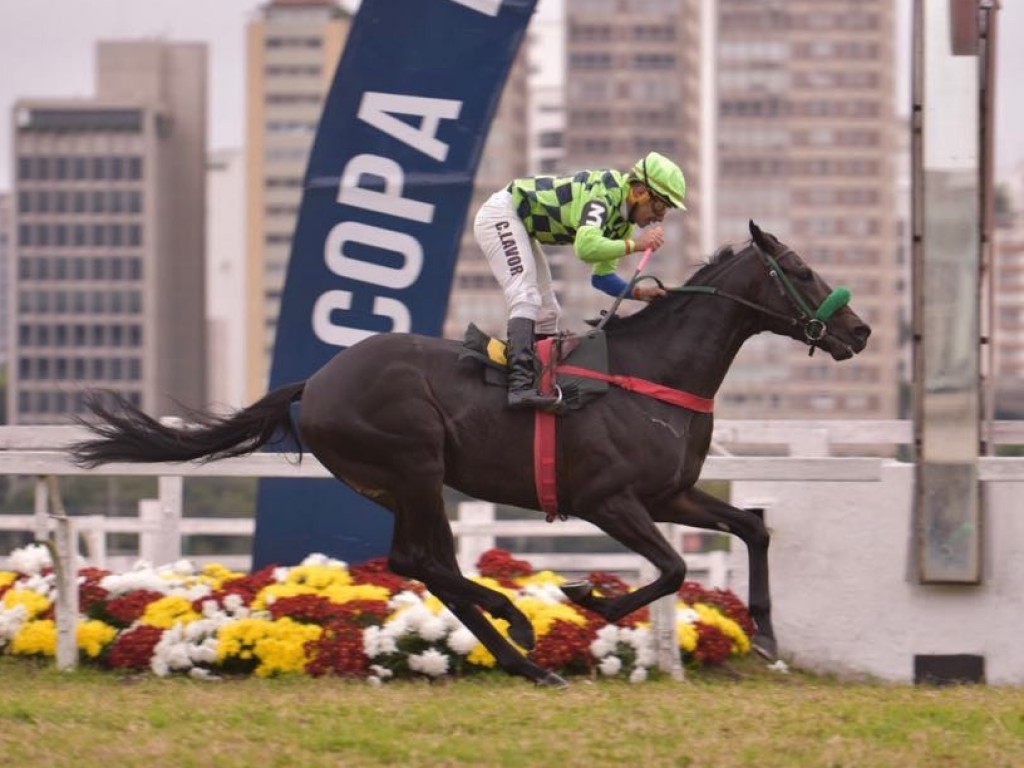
<point>583,351</point>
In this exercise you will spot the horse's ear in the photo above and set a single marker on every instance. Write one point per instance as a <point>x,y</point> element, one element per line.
<point>755,232</point>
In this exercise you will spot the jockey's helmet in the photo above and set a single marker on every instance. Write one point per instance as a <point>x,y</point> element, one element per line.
<point>662,176</point>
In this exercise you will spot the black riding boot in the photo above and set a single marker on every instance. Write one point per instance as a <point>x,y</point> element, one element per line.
<point>522,367</point>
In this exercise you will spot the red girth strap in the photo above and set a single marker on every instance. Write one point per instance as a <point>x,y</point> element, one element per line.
<point>544,439</point>
<point>644,387</point>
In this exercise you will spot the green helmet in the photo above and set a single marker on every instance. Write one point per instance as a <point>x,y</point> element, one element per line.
<point>663,176</point>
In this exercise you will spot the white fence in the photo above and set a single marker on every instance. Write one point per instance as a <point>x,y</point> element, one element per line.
<point>846,599</point>
<point>160,525</point>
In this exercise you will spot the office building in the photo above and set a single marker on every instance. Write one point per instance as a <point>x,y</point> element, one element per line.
<point>807,147</point>
<point>108,283</point>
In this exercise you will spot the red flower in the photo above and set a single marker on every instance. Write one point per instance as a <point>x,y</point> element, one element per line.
<point>316,609</point>
<point>91,596</point>
<point>724,599</point>
<point>498,564</point>
<point>375,572</point>
<point>125,609</point>
<point>713,645</point>
<point>338,651</point>
<point>134,649</point>
<point>566,647</point>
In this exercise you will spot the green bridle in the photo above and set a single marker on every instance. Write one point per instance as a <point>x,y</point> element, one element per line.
<point>814,322</point>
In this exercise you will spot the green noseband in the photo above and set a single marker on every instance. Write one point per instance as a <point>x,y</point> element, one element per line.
<point>835,301</point>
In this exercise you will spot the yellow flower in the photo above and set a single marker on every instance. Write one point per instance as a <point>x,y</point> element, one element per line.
<point>93,636</point>
<point>345,594</point>
<point>168,611</point>
<point>7,578</point>
<point>216,574</point>
<point>490,583</point>
<point>542,614</point>
<point>34,602</point>
<point>36,638</point>
<point>542,577</point>
<point>319,577</point>
<point>279,645</point>
<point>711,615</point>
<point>687,636</point>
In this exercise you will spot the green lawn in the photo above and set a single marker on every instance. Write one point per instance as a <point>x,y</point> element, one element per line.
<point>741,716</point>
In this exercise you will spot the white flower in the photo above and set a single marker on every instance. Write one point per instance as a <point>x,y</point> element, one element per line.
<point>462,641</point>
<point>178,568</point>
<point>198,673</point>
<point>11,621</point>
<point>403,599</point>
<point>382,672</point>
<point>610,666</point>
<point>606,640</point>
<point>281,574</point>
<point>233,603</point>
<point>548,592</point>
<point>433,629</point>
<point>318,558</point>
<point>779,666</point>
<point>121,583</point>
<point>30,559</point>
<point>431,662</point>
<point>378,642</point>
<point>638,675</point>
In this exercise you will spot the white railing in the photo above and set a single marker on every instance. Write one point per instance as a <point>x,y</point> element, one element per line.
<point>39,452</point>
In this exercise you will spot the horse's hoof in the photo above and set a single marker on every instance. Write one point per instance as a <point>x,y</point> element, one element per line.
<point>577,591</point>
<point>765,647</point>
<point>551,680</point>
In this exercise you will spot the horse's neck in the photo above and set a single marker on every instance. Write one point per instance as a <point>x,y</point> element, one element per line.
<point>695,355</point>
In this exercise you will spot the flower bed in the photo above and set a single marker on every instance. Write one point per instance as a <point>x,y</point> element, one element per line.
<point>323,617</point>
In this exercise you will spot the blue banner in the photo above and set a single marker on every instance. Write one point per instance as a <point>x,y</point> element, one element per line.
<point>383,209</point>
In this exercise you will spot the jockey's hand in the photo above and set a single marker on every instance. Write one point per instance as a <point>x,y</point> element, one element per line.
<point>652,238</point>
<point>648,293</point>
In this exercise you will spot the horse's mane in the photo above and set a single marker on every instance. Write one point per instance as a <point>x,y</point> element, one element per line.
<point>704,275</point>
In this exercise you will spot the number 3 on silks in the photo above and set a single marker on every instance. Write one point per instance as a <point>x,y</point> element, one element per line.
<point>594,213</point>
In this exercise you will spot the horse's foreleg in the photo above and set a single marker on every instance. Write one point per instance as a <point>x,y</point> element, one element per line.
<point>696,508</point>
<point>628,522</point>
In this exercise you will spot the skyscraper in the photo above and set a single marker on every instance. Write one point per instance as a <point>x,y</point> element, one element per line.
<point>5,255</point>
<point>109,237</point>
<point>806,147</point>
<point>293,47</point>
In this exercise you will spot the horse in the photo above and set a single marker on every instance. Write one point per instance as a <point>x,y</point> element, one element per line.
<point>397,416</point>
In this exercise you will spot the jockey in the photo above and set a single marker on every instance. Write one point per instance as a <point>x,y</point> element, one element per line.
<point>595,212</point>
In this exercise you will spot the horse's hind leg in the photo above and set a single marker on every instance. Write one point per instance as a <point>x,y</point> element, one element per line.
<point>423,548</point>
<point>702,510</point>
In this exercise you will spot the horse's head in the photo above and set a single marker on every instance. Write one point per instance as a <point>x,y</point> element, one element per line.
<point>797,302</point>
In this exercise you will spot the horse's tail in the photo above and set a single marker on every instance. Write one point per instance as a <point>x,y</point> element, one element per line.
<point>124,433</point>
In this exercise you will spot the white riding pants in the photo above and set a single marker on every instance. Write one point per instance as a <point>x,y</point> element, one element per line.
<point>518,263</point>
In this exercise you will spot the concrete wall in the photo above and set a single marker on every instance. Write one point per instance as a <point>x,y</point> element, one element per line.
<point>845,594</point>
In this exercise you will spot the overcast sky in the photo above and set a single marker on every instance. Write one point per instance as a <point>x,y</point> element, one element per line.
<point>47,49</point>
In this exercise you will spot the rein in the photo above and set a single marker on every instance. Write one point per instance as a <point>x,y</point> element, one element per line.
<point>814,322</point>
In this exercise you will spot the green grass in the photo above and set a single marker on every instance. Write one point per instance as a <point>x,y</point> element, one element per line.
<point>742,716</point>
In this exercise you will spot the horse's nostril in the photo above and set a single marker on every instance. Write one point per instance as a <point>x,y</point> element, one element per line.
<point>862,332</point>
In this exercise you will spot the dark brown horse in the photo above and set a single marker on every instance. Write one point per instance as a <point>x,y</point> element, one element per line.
<point>396,417</point>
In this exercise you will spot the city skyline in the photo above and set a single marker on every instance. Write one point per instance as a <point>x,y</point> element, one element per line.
<point>47,49</point>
